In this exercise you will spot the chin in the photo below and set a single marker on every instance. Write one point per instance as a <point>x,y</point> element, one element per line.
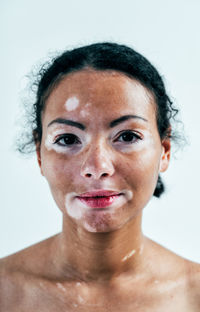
<point>99,229</point>
<point>101,223</point>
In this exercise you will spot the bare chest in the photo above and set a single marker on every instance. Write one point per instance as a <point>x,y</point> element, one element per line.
<point>73,298</point>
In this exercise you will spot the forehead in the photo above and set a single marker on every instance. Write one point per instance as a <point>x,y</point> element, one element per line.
<point>109,91</point>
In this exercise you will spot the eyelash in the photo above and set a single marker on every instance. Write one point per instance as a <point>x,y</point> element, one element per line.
<point>136,136</point>
<point>64,136</point>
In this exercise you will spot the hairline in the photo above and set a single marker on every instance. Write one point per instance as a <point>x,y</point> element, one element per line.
<point>61,76</point>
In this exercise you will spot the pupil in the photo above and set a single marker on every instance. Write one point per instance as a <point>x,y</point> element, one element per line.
<point>69,139</point>
<point>127,136</point>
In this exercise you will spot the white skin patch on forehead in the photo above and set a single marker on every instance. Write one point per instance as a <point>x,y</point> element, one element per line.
<point>84,112</point>
<point>72,103</point>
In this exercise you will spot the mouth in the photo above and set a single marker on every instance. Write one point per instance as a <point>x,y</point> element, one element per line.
<point>99,199</point>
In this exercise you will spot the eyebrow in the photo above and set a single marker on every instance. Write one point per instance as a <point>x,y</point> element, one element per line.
<point>124,118</point>
<point>67,122</point>
<point>76,124</point>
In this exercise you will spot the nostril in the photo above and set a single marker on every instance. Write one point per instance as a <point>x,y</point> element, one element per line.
<point>88,175</point>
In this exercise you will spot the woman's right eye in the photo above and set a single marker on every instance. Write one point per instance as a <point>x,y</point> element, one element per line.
<point>67,139</point>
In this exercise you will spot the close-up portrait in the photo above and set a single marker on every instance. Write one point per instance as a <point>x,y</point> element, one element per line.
<point>100,157</point>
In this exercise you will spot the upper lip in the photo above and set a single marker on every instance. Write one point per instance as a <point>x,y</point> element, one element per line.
<point>99,193</point>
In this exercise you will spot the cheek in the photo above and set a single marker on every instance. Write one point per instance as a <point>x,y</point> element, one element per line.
<point>141,168</point>
<point>62,176</point>
<point>61,173</point>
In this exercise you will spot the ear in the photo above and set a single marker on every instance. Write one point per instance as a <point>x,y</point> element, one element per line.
<point>38,151</point>
<point>165,155</point>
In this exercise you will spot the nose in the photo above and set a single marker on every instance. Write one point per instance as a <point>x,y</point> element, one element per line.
<point>98,163</point>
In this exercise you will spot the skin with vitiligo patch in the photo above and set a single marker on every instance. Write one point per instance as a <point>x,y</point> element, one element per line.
<point>101,260</point>
<point>79,211</point>
<point>130,254</point>
<point>72,103</point>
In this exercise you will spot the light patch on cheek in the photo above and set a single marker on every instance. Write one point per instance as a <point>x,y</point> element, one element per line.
<point>128,194</point>
<point>130,254</point>
<point>92,220</point>
<point>73,209</point>
<point>71,104</point>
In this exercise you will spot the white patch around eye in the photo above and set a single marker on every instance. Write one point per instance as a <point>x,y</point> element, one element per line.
<point>49,144</point>
<point>137,146</point>
<point>72,103</point>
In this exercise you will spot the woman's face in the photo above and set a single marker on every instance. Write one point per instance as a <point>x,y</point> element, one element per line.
<point>100,134</point>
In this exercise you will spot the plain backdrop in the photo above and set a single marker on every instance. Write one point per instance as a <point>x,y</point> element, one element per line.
<point>167,33</point>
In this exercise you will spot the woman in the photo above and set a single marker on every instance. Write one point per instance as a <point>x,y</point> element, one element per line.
<point>102,132</point>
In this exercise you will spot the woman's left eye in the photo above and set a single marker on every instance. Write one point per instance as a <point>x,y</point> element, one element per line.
<point>128,137</point>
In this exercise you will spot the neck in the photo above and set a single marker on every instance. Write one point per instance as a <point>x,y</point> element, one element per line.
<point>99,256</point>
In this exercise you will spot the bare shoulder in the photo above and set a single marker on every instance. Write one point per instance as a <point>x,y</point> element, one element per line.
<point>27,259</point>
<point>22,272</point>
<point>19,269</point>
<point>10,282</point>
<point>184,273</point>
<point>193,282</point>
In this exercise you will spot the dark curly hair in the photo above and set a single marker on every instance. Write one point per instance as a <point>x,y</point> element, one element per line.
<point>101,56</point>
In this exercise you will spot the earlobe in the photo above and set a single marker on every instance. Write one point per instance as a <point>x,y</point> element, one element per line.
<point>38,153</point>
<point>165,155</point>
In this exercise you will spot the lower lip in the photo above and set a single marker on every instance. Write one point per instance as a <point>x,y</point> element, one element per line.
<point>99,202</point>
